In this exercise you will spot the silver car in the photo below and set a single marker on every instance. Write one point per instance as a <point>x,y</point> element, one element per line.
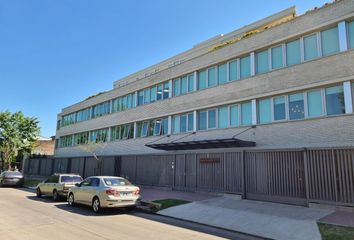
<point>104,192</point>
<point>58,185</point>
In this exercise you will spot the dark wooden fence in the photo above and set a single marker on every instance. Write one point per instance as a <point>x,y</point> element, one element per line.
<point>294,176</point>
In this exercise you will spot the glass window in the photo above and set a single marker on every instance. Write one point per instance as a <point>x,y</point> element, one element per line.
<point>115,133</point>
<point>233,70</point>
<point>211,77</point>
<point>176,124</point>
<point>129,99</point>
<point>223,117</point>
<point>335,100</point>
<point>351,34</point>
<point>99,135</point>
<point>314,103</point>
<point>144,129</point>
<point>293,53</point>
<point>83,115</point>
<point>184,85</point>
<point>296,106</point>
<point>133,100</point>
<point>101,109</point>
<point>245,67</point>
<point>140,98</point>
<point>124,102</point>
<point>264,111</point>
<point>183,124</point>
<point>166,90</point>
<point>190,83</point>
<point>310,47</point>
<point>246,113</point>
<point>190,122</point>
<point>262,64</point>
<point>330,41</point>
<point>222,73</point>
<point>176,87</point>
<point>152,94</point>
<point>165,126</point>
<point>279,108</point>
<point>159,92</point>
<point>157,127</point>
<point>234,116</point>
<point>277,57</point>
<point>202,119</point>
<point>147,96</point>
<point>202,80</point>
<point>212,118</point>
<point>127,131</point>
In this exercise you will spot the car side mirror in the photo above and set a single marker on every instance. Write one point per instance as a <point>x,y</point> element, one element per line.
<point>77,184</point>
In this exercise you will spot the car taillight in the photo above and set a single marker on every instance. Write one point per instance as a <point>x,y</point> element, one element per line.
<point>112,192</point>
<point>137,191</point>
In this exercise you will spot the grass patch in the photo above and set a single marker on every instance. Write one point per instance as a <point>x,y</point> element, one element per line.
<point>167,203</point>
<point>332,232</point>
<point>31,182</point>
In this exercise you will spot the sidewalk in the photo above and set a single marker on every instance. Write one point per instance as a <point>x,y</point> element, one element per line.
<point>264,219</point>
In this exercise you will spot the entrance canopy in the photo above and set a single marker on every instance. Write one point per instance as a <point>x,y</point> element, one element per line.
<point>202,144</point>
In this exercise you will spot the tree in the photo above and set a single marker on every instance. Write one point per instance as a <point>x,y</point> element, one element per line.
<point>18,134</point>
<point>95,149</point>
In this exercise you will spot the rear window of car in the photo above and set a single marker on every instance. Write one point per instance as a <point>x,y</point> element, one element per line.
<point>66,179</point>
<point>116,182</point>
<point>13,174</point>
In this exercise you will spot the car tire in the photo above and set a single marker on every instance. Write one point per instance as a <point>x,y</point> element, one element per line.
<point>38,193</point>
<point>71,200</point>
<point>55,196</point>
<point>96,205</point>
<point>131,208</point>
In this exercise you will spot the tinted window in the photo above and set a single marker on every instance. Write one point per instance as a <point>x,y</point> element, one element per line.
<point>95,182</point>
<point>13,174</point>
<point>116,182</point>
<point>71,179</point>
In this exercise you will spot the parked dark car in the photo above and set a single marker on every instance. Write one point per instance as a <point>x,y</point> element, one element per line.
<point>11,178</point>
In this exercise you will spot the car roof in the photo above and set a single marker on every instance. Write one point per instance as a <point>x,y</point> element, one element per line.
<point>66,174</point>
<point>101,177</point>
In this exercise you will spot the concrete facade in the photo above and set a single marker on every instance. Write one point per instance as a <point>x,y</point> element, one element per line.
<point>325,131</point>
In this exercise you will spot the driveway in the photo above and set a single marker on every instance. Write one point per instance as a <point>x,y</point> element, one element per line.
<point>25,217</point>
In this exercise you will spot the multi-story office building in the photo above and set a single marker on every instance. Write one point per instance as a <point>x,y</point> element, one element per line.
<point>288,84</point>
<point>284,82</point>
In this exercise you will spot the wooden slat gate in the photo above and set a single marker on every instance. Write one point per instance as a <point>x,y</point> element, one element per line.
<point>276,176</point>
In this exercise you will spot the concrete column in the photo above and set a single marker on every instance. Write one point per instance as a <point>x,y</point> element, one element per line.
<point>136,99</point>
<point>343,40</point>
<point>254,112</point>
<point>253,64</point>
<point>109,135</point>
<point>348,98</point>
<point>195,76</point>
<point>135,130</point>
<point>169,125</point>
<point>170,89</point>
<point>194,121</point>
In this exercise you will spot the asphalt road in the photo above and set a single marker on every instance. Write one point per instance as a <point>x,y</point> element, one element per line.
<point>25,217</point>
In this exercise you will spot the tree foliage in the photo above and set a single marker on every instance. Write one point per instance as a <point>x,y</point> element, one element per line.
<point>17,134</point>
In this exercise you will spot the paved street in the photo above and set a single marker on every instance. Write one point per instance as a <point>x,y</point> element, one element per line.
<point>24,217</point>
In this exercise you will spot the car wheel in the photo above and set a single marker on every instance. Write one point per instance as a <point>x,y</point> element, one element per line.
<point>55,196</point>
<point>96,206</point>
<point>71,200</point>
<point>39,193</point>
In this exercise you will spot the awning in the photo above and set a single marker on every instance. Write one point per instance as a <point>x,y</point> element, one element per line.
<point>202,144</point>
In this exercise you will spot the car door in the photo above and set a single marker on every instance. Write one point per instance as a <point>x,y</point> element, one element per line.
<point>44,186</point>
<point>80,191</point>
<point>91,190</point>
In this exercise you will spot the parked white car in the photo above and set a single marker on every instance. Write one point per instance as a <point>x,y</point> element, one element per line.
<point>104,192</point>
<point>58,185</point>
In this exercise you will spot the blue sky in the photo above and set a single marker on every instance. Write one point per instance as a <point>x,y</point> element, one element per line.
<point>56,53</point>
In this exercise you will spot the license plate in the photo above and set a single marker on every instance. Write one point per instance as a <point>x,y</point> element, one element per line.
<point>126,194</point>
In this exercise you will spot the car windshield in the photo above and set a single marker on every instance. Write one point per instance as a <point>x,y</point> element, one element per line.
<point>13,174</point>
<point>71,179</point>
<point>116,182</point>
